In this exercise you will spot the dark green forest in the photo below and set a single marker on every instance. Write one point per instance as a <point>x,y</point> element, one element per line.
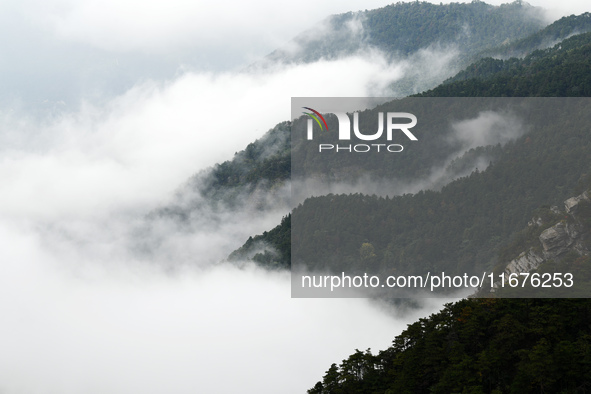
<point>407,27</point>
<point>263,166</point>
<point>494,345</point>
<point>561,71</point>
<point>545,38</point>
<point>478,346</point>
<point>256,248</point>
<point>486,345</point>
<point>465,223</point>
<point>478,221</point>
<point>411,30</point>
<point>265,163</point>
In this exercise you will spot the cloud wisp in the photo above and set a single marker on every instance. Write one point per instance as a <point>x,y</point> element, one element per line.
<point>93,303</point>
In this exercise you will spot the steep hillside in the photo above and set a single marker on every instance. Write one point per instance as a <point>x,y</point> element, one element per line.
<point>556,240</point>
<point>406,27</point>
<point>427,42</point>
<point>561,71</point>
<point>459,228</point>
<point>255,178</point>
<point>264,166</point>
<point>478,346</point>
<point>258,249</point>
<point>525,174</point>
<point>495,345</point>
<point>491,344</point>
<point>549,36</point>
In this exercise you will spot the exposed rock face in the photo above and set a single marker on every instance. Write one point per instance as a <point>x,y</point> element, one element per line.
<point>555,240</point>
<point>578,231</point>
<point>535,222</point>
<point>572,203</point>
<point>570,234</point>
<point>524,263</point>
<point>565,236</point>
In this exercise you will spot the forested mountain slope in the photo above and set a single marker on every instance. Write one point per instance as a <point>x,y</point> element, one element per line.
<point>556,242</point>
<point>255,178</point>
<point>426,42</point>
<point>561,71</point>
<point>263,167</point>
<point>407,27</point>
<point>491,344</point>
<point>469,219</point>
<point>478,346</point>
<point>549,36</point>
<point>502,345</point>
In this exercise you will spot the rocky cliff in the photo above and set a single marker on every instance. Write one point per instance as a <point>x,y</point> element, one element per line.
<point>569,236</point>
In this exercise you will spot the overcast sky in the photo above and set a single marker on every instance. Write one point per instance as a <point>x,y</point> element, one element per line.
<point>57,51</point>
<point>221,29</point>
<point>106,107</point>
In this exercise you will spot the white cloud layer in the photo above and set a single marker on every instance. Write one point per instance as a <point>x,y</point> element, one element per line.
<point>81,309</point>
<point>123,329</point>
<point>86,309</point>
<point>136,149</point>
<point>162,26</point>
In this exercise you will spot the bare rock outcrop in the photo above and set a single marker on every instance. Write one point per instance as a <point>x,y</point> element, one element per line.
<point>526,262</point>
<point>555,240</point>
<point>571,234</point>
<point>572,203</point>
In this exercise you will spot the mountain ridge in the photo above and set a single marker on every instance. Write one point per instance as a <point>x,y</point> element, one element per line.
<point>555,64</point>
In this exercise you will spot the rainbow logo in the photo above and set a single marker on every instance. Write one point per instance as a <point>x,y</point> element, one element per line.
<point>315,115</point>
